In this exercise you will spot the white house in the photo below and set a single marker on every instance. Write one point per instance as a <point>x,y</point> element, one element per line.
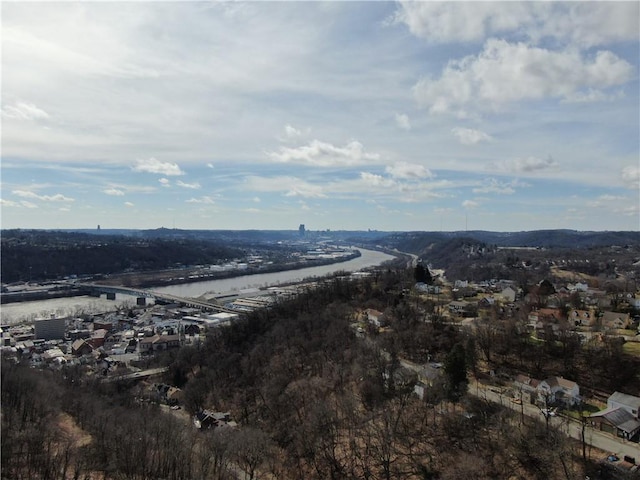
<point>630,403</point>
<point>375,317</point>
<point>621,417</point>
<point>509,294</point>
<point>558,390</point>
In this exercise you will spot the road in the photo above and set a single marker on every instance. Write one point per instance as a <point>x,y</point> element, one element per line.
<point>136,375</point>
<point>572,428</point>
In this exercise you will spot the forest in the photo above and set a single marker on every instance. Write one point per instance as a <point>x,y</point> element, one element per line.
<point>44,255</point>
<point>314,399</point>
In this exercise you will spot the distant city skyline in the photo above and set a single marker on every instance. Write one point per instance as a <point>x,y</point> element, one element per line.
<point>390,116</point>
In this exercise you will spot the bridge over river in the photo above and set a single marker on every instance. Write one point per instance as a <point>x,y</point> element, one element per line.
<point>157,296</point>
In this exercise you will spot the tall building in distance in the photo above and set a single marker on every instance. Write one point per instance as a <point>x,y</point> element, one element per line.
<point>52,328</point>
<point>301,230</point>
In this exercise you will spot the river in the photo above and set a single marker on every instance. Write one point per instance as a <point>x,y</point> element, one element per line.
<point>13,313</point>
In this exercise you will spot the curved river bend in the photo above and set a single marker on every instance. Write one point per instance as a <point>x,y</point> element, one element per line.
<point>74,306</point>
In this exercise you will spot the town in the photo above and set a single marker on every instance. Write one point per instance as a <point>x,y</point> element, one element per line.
<point>524,350</point>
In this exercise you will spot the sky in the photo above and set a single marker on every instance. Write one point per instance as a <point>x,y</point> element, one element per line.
<point>392,116</point>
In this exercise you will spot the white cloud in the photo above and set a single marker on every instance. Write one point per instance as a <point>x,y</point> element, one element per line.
<point>128,204</point>
<point>305,190</point>
<point>113,191</point>
<point>8,203</point>
<point>408,170</point>
<point>589,24</point>
<point>24,111</point>
<point>469,136</point>
<point>377,181</point>
<point>524,165</point>
<point>592,96</point>
<point>322,154</point>
<point>585,24</point>
<point>292,133</point>
<point>27,204</point>
<point>210,165</point>
<point>444,22</point>
<point>289,186</point>
<point>610,198</point>
<point>46,198</point>
<point>152,165</point>
<point>402,120</point>
<point>192,186</point>
<point>492,185</point>
<point>631,176</point>
<point>630,210</point>
<point>256,200</point>
<point>204,200</point>
<point>303,205</point>
<point>164,182</point>
<point>505,73</point>
<point>470,204</point>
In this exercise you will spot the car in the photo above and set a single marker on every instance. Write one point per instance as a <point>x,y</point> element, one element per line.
<point>549,412</point>
<point>175,407</point>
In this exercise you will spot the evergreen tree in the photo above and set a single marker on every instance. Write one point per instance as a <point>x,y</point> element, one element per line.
<point>455,369</point>
<point>422,274</point>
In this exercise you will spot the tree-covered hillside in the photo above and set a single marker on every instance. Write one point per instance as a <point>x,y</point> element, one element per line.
<point>40,255</point>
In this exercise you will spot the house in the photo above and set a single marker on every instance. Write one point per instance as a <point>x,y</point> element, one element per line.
<point>168,394</point>
<point>621,417</point>
<point>80,347</point>
<point>615,320</point>
<point>158,342</point>
<point>582,317</point>
<point>375,317</point>
<point>508,294</point>
<point>546,315</point>
<point>426,288</point>
<point>206,419</point>
<point>461,308</point>
<point>54,355</point>
<point>577,287</point>
<point>192,329</point>
<point>558,390</point>
<point>98,338</point>
<point>427,376</point>
<point>630,403</point>
<point>486,303</point>
<point>527,386</point>
<point>634,301</point>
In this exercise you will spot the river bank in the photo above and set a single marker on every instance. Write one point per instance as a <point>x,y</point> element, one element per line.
<point>177,277</point>
<point>163,278</point>
<point>25,312</point>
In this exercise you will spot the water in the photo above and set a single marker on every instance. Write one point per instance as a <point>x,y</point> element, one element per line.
<point>73,306</point>
<point>368,258</point>
<point>23,312</point>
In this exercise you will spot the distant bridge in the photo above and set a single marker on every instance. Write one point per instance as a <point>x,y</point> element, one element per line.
<point>158,296</point>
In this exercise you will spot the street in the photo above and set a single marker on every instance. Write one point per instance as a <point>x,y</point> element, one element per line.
<point>573,428</point>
